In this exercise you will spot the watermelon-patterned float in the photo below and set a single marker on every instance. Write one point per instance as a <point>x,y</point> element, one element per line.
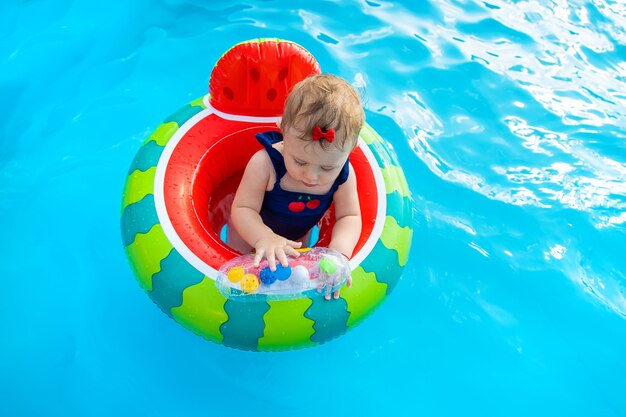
<point>180,187</point>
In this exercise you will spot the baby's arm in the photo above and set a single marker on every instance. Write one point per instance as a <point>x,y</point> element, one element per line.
<point>246,219</point>
<point>347,229</point>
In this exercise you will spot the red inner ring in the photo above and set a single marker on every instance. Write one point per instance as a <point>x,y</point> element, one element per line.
<point>203,173</point>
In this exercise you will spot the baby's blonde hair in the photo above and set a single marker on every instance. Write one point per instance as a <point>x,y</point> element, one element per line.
<point>326,101</point>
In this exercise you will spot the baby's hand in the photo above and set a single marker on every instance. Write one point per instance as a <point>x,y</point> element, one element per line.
<point>336,293</point>
<point>275,247</point>
<point>348,283</point>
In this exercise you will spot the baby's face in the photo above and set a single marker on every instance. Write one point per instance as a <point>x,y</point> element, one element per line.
<point>311,165</point>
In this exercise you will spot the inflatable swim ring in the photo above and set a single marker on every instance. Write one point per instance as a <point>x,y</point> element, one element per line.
<point>178,194</point>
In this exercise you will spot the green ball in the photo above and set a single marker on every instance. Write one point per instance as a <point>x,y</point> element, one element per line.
<point>328,266</point>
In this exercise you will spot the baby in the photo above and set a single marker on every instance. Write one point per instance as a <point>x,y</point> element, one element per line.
<point>288,186</point>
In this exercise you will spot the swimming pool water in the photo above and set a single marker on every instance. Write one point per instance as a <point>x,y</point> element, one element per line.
<point>508,118</point>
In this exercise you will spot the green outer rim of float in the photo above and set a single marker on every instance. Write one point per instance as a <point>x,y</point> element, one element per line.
<point>269,325</point>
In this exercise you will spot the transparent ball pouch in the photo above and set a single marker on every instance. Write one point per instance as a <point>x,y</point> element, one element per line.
<point>316,272</point>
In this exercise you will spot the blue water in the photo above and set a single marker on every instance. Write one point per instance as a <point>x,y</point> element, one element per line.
<point>509,119</point>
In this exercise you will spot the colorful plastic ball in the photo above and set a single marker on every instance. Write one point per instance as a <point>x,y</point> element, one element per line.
<point>249,283</point>
<point>267,276</point>
<point>236,273</point>
<point>328,266</point>
<point>300,276</point>
<point>282,273</point>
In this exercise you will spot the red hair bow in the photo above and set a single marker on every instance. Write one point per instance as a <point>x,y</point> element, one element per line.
<point>318,134</point>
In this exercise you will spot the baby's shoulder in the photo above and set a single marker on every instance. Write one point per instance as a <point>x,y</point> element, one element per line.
<point>260,160</point>
<point>261,165</point>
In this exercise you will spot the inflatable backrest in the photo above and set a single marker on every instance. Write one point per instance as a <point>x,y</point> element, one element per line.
<point>253,78</point>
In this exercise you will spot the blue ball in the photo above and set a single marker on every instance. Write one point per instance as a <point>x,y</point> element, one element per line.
<point>282,273</point>
<point>267,276</point>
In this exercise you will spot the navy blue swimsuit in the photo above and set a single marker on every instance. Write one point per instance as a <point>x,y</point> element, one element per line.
<point>292,214</point>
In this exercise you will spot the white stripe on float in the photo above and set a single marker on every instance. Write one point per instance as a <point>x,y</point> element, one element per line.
<point>381,212</point>
<point>159,197</point>
<point>238,117</point>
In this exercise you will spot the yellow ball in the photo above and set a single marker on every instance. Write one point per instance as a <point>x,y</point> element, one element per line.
<point>249,283</point>
<point>235,274</point>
